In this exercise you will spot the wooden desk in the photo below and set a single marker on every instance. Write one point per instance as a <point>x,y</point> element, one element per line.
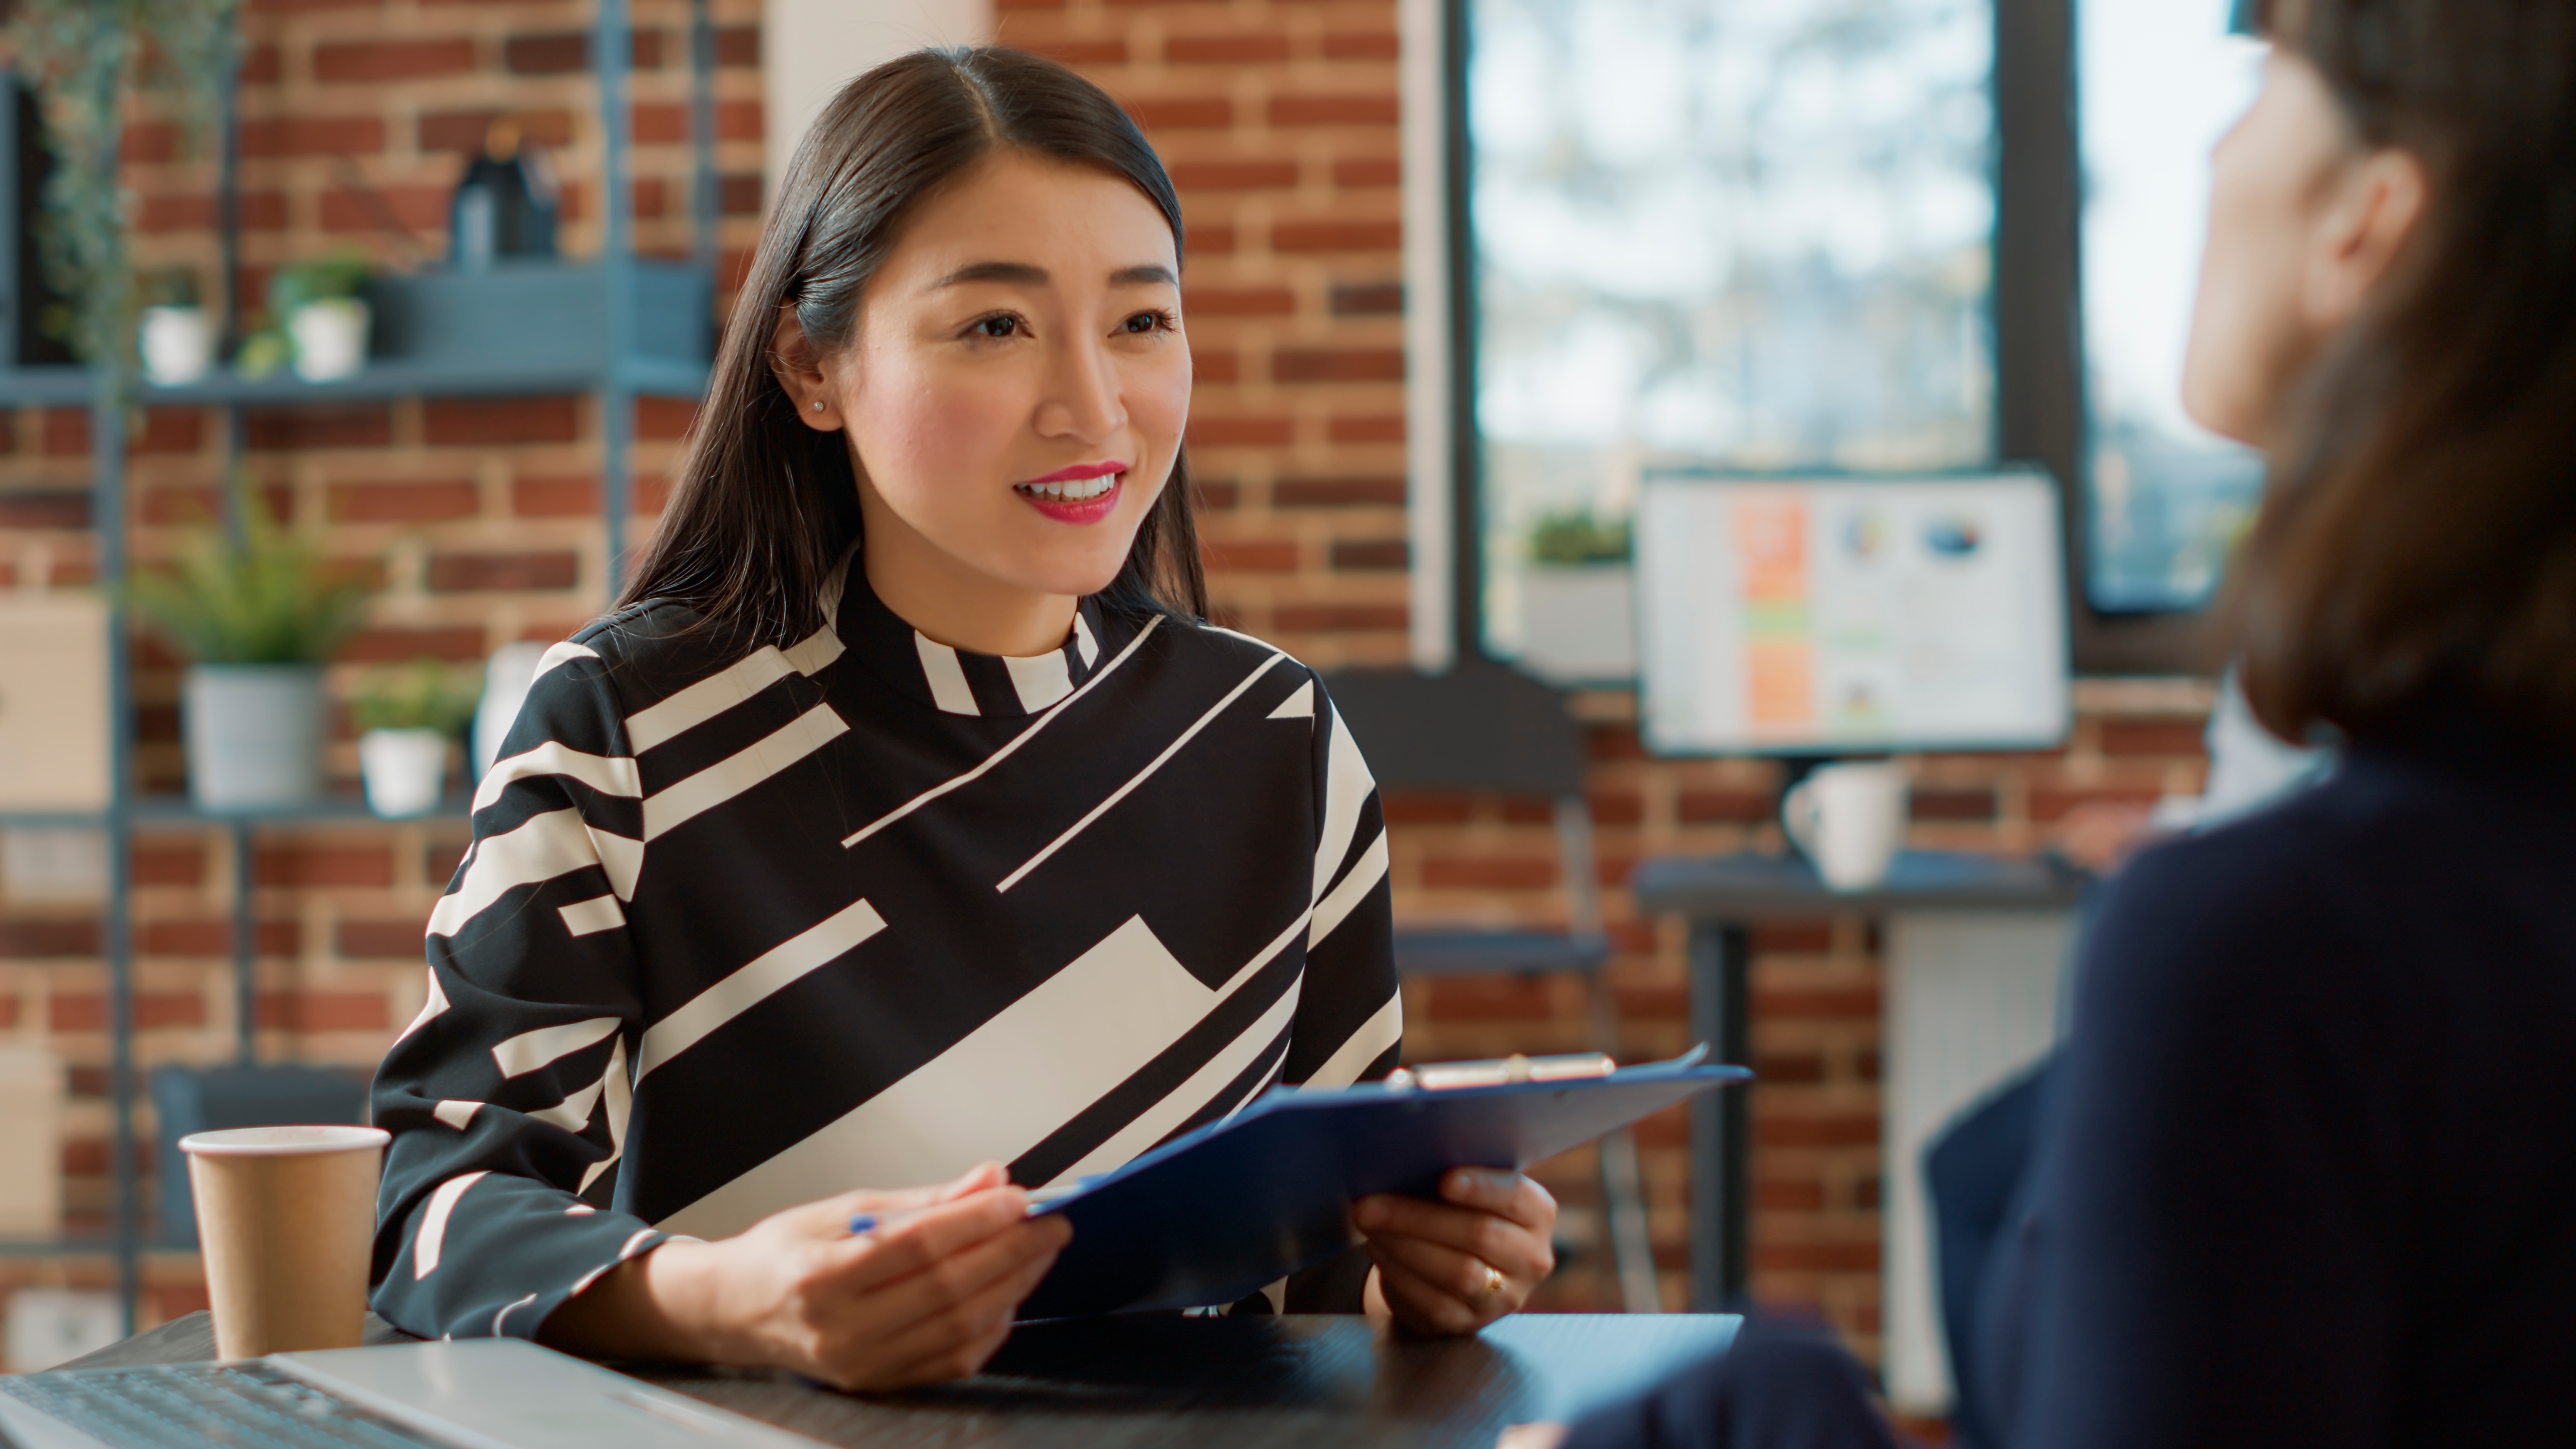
<point>1235,1383</point>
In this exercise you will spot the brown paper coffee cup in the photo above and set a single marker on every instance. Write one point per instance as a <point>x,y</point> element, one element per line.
<point>285,1216</point>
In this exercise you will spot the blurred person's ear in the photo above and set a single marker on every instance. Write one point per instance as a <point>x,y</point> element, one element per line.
<point>2364,229</point>
<point>2305,219</point>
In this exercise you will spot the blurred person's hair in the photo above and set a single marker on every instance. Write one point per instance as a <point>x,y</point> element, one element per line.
<point>2417,543</point>
<point>763,505</point>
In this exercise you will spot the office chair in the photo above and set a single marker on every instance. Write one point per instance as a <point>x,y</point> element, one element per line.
<point>1485,727</point>
<point>186,1100</point>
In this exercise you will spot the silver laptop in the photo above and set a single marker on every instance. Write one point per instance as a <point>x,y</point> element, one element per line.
<point>493,1393</point>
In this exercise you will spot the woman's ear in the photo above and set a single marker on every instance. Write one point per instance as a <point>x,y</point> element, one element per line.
<point>2362,233</point>
<point>800,371</point>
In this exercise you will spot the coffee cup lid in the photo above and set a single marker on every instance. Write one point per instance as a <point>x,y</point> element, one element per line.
<point>282,1141</point>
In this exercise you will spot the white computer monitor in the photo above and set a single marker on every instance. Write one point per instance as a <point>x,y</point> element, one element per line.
<point>1832,614</point>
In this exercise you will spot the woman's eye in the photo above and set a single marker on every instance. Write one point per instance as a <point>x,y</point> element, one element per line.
<point>999,326</point>
<point>1144,322</point>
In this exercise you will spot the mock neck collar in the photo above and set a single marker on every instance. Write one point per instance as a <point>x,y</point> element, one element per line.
<point>955,681</point>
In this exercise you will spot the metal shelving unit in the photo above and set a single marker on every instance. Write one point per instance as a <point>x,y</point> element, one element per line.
<point>384,379</point>
<point>617,376</point>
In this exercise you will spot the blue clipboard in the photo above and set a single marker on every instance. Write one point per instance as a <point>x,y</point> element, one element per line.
<point>1239,1204</point>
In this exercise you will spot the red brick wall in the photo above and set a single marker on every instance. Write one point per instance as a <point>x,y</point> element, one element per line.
<point>480,516</point>
<point>1278,119</point>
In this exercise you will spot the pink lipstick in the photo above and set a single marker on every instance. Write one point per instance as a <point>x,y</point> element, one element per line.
<point>1083,493</point>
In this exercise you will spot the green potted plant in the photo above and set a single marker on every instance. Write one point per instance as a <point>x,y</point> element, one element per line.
<point>325,319</point>
<point>1576,598</point>
<point>317,321</point>
<point>257,614</point>
<point>407,718</point>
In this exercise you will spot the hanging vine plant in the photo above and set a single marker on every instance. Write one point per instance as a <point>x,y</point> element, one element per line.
<point>82,57</point>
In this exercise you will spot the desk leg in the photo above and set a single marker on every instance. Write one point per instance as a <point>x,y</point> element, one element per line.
<point>1721,956</point>
<point>245,951</point>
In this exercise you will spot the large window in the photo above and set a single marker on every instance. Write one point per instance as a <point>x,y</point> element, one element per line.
<point>1714,231</point>
<point>2159,80</point>
<point>1762,234</point>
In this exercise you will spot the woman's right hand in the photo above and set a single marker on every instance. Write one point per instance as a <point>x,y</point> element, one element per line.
<point>928,1297</point>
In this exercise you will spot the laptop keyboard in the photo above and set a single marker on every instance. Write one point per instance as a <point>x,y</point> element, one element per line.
<point>250,1405</point>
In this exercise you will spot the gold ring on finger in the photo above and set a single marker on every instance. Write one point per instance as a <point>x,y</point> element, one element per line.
<point>1494,1281</point>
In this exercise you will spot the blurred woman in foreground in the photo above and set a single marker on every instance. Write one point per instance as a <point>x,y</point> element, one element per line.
<point>2309,1176</point>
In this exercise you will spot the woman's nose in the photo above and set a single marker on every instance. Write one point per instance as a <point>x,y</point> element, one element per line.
<point>1082,400</point>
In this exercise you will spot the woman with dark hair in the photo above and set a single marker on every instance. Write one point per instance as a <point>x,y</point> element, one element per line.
<point>2307,1168</point>
<point>2309,1176</point>
<point>905,823</point>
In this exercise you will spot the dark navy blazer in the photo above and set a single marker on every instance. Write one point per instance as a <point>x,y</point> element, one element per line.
<point>2308,1171</point>
<point>2307,1167</point>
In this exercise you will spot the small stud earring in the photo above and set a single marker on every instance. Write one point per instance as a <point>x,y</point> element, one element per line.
<point>818,404</point>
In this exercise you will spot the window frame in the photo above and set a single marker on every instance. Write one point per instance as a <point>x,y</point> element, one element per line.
<point>2036,320</point>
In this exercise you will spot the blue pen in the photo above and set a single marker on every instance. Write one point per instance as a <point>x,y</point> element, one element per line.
<point>865,1224</point>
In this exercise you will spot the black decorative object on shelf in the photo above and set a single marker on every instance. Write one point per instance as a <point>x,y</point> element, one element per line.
<point>506,204</point>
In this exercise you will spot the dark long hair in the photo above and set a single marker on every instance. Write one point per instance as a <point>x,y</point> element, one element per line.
<point>2417,544</point>
<point>763,504</point>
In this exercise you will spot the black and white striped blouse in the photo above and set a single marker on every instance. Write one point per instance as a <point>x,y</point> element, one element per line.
<point>737,934</point>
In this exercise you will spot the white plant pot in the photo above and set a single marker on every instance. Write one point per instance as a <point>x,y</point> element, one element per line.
<point>330,338</point>
<point>178,345</point>
<point>255,734</point>
<point>405,770</point>
<point>1578,622</point>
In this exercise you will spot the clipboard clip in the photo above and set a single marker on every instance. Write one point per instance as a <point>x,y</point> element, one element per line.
<point>1501,1071</point>
<point>1515,1069</point>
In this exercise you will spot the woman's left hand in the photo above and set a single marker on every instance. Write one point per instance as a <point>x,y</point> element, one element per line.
<point>1453,1266</point>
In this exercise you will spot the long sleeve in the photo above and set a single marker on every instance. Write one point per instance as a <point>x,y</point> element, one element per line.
<point>1350,1017</point>
<point>508,1097</point>
<point>738,932</point>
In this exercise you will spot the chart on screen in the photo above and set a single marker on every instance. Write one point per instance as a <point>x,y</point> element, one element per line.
<point>1837,614</point>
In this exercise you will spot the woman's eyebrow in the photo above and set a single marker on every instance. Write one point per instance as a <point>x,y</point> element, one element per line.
<point>1019,272</point>
<point>1023,274</point>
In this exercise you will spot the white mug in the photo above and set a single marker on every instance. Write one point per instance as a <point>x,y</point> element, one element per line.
<point>1850,820</point>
